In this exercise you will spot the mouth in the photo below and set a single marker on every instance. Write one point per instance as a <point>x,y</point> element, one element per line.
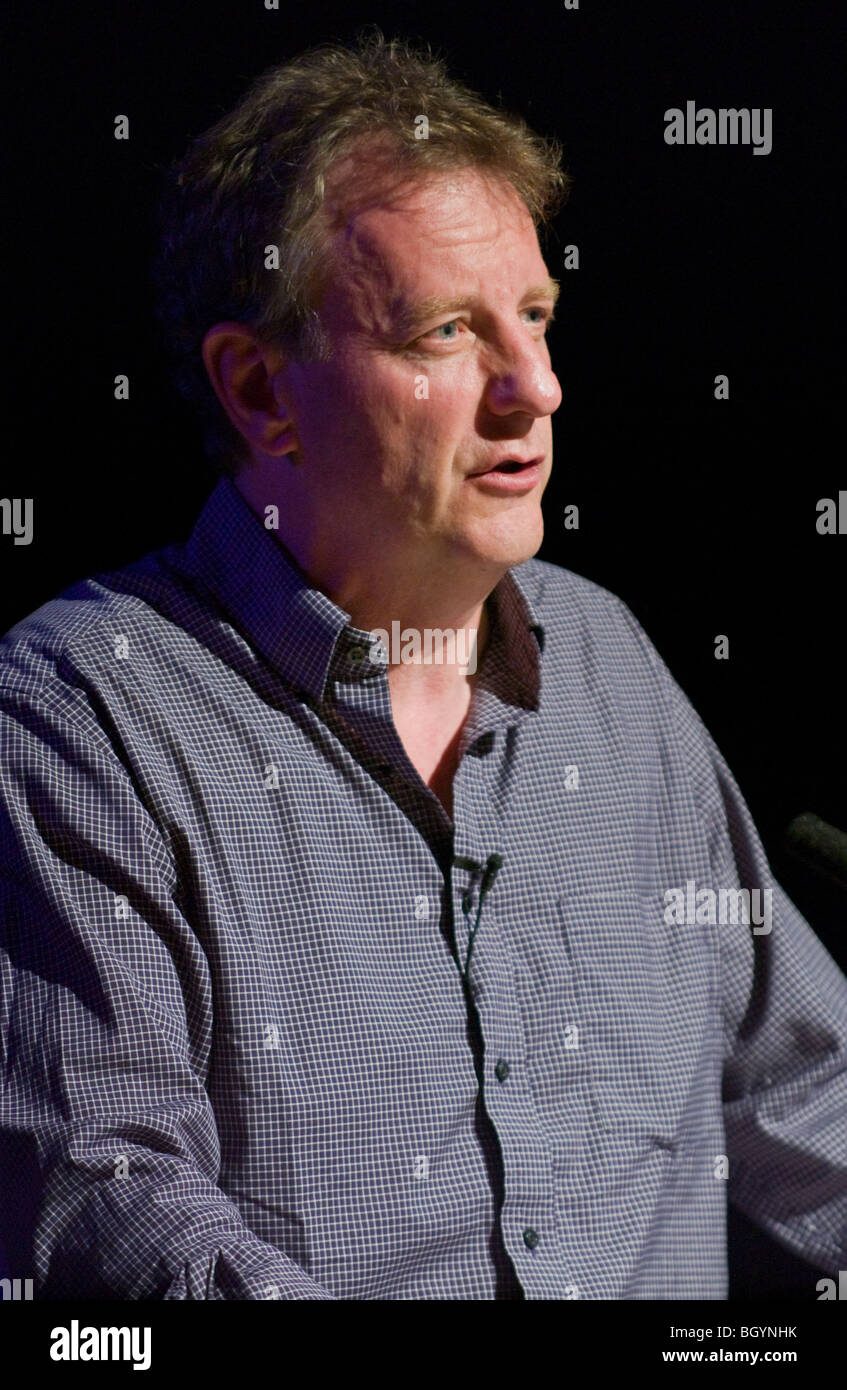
<point>507,466</point>
<point>509,475</point>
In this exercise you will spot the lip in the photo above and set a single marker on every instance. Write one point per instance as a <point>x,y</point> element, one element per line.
<point>524,481</point>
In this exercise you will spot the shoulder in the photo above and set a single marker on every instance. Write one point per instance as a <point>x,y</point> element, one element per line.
<point>69,645</point>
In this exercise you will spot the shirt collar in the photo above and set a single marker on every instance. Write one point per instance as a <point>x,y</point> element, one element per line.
<point>307,637</point>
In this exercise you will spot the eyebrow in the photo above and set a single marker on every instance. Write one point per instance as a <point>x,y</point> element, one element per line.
<point>406,317</point>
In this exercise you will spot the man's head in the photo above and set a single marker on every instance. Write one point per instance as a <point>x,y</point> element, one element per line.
<point>386,188</point>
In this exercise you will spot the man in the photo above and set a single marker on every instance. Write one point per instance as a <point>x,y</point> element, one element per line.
<point>330,973</point>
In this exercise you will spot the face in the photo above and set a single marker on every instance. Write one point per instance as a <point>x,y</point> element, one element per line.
<point>437,310</point>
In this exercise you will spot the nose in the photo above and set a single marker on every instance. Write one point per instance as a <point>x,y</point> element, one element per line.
<point>523,380</point>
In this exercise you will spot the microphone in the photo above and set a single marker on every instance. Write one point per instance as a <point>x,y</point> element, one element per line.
<point>820,845</point>
<point>492,867</point>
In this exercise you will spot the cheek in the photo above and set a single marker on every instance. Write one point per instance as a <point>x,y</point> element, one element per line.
<point>395,411</point>
<point>370,396</point>
<point>404,420</point>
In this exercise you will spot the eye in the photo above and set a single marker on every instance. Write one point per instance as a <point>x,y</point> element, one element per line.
<point>545,315</point>
<point>454,323</point>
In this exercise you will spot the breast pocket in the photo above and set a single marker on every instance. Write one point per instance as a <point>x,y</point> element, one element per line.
<point>645,993</point>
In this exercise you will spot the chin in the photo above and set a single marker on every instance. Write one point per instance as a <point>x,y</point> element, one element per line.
<point>510,538</point>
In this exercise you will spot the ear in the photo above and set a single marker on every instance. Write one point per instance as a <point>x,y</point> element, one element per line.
<point>244,373</point>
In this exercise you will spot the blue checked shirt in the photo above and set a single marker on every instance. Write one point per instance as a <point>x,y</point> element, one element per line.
<point>275,1026</point>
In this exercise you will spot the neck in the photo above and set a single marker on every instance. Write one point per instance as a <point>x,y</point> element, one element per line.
<point>445,672</point>
<point>430,610</point>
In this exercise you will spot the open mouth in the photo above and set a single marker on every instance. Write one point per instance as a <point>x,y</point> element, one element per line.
<point>507,466</point>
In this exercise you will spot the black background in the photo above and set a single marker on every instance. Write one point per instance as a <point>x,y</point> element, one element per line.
<point>694,261</point>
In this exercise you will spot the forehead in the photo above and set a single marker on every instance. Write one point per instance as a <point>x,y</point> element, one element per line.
<point>398,242</point>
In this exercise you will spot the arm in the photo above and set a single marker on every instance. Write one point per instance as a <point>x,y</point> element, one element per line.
<point>103,1109</point>
<point>784,1002</point>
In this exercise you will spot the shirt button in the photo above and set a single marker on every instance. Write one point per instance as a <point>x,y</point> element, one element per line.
<point>530,1238</point>
<point>358,655</point>
<point>501,1071</point>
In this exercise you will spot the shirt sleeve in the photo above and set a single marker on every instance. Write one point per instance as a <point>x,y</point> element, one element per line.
<point>784,1017</point>
<point>105,1032</point>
